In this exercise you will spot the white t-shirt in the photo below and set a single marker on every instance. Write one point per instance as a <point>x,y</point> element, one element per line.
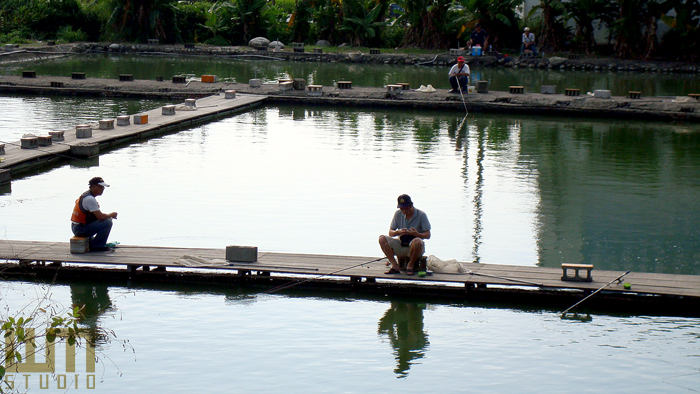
<point>90,203</point>
<point>455,69</point>
<point>528,38</point>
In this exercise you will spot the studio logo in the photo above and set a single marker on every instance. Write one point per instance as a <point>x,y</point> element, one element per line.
<point>28,373</point>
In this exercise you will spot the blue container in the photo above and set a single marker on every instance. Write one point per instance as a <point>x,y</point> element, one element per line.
<point>476,51</point>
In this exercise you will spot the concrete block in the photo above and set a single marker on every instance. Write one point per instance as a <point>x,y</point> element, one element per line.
<point>315,90</point>
<point>108,124</point>
<point>85,149</point>
<point>255,83</point>
<point>29,142</point>
<point>123,120</point>
<point>482,86</point>
<point>288,85</point>
<point>548,89</point>
<point>140,119</point>
<point>247,254</point>
<point>44,140</point>
<point>168,110</point>
<point>2,149</point>
<point>57,135</point>
<point>79,244</point>
<point>604,94</point>
<point>191,103</point>
<point>230,94</point>
<point>5,176</point>
<point>83,131</point>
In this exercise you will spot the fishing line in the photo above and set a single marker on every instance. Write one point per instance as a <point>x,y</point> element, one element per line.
<point>298,282</point>
<point>470,272</point>
<point>461,94</point>
<point>618,279</point>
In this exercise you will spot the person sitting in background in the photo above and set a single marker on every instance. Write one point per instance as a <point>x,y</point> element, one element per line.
<point>528,42</point>
<point>479,37</point>
<point>459,76</point>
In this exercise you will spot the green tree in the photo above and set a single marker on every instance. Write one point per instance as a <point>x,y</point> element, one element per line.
<point>584,12</point>
<point>684,38</point>
<point>499,19</point>
<point>140,20</point>
<point>247,18</point>
<point>424,20</point>
<point>363,20</point>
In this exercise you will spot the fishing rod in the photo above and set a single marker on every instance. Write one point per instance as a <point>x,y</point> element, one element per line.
<point>298,282</point>
<point>618,279</point>
<point>461,94</point>
<point>470,272</point>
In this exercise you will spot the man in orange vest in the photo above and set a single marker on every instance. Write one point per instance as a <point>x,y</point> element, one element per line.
<point>88,220</point>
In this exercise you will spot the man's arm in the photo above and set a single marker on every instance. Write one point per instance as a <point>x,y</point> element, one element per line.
<point>424,235</point>
<point>102,216</point>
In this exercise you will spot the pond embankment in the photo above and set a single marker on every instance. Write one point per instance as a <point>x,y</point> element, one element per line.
<point>573,103</point>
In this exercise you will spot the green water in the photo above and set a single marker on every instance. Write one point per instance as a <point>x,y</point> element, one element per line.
<point>149,67</point>
<point>497,189</point>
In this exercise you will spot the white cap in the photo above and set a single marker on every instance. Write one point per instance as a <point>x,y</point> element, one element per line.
<point>527,29</point>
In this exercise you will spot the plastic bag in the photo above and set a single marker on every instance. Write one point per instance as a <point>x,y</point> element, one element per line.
<point>445,266</point>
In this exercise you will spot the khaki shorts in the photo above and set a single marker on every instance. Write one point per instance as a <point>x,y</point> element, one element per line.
<point>401,251</point>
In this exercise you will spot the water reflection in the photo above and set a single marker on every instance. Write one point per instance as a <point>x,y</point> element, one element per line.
<point>402,323</point>
<point>93,301</point>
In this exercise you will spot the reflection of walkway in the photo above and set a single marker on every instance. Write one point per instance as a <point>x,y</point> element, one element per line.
<point>403,324</point>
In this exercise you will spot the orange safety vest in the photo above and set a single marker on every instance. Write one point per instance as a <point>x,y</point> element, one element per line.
<point>80,214</point>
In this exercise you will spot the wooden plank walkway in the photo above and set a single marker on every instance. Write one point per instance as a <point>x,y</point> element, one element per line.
<point>312,265</point>
<point>18,160</point>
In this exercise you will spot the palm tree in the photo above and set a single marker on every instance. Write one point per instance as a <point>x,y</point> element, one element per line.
<point>139,20</point>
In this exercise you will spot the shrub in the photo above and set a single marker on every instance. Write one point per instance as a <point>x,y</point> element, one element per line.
<point>217,41</point>
<point>67,34</point>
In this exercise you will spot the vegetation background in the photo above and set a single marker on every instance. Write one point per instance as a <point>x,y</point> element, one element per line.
<point>632,26</point>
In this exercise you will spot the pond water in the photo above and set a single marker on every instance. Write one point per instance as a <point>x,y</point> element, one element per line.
<point>149,67</point>
<point>197,340</point>
<point>498,189</point>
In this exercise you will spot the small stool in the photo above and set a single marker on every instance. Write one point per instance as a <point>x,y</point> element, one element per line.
<point>456,52</point>
<point>2,149</point>
<point>318,50</point>
<point>393,91</point>
<point>140,119</point>
<point>517,89</point>
<point>192,103</point>
<point>189,46</point>
<point>374,51</point>
<point>314,90</point>
<point>404,85</point>
<point>694,95</point>
<point>153,41</point>
<point>55,84</point>
<point>126,77</point>
<point>44,140</point>
<point>28,74</point>
<point>179,79</point>
<point>77,75</point>
<point>57,135</point>
<point>576,268</point>
<point>168,110</point>
<point>635,95</point>
<point>29,142</point>
<point>209,78</point>
<point>527,53</point>
<point>230,94</point>
<point>108,124</point>
<point>79,244</point>
<point>572,92</point>
<point>573,56</point>
<point>83,131</point>
<point>298,46</point>
<point>482,86</point>
<point>420,265</point>
<point>123,120</point>
<point>286,85</point>
<point>344,84</point>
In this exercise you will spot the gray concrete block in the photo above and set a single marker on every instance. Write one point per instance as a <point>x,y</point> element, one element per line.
<point>247,254</point>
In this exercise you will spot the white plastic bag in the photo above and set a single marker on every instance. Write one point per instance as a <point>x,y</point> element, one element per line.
<point>445,266</point>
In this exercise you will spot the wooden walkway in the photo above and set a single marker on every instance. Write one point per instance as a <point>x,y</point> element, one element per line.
<point>314,267</point>
<point>17,160</point>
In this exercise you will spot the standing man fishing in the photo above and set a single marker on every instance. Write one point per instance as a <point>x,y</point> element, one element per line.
<point>411,226</point>
<point>88,220</point>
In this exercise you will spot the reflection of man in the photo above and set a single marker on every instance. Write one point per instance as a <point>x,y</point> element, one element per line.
<point>93,301</point>
<point>479,37</point>
<point>403,324</point>
<point>411,226</point>
<point>459,76</point>
<point>88,220</point>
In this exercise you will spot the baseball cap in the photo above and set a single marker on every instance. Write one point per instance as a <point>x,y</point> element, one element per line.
<point>460,59</point>
<point>405,201</point>
<point>98,181</point>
